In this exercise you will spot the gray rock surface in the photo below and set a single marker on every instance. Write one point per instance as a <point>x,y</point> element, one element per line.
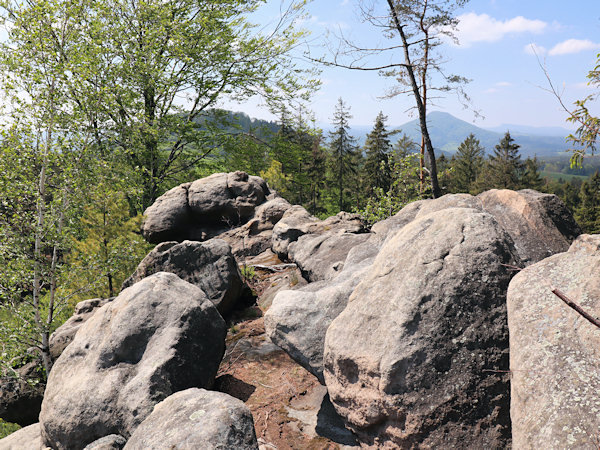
<point>168,218</point>
<point>196,419</point>
<point>27,438</point>
<point>554,352</point>
<point>322,256</point>
<point>204,208</point>
<point>21,394</point>
<point>411,361</point>
<point>540,224</point>
<point>297,222</point>
<point>110,442</point>
<point>159,336</point>
<point>208,265</point>
<point>64,334</point>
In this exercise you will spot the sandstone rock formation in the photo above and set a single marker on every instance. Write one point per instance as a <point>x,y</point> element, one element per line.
<point>25,438</point>
<point>208,265</point>
<point>110,442</point>
<point>411,360</point>
<point>21,394</point>
<point>204,208</point>
<point>64,334</point>
<point>159,336</point>
<point>554,352</point>
<point>196,419</point>
<point>540,224</point>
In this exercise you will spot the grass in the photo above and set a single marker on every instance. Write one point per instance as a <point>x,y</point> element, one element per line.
<point>564,176</point>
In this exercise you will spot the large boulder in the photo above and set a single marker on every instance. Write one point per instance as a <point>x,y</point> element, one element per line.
<point>21,394</point>
<point>27,438</point>
<point>297,222</point>
<point>64,334</point>
<point>555,352</point>
<point>110,442</point>
<point>204,208</point>
<point>417,357</point>
<point>540,224</point>
<point>196,419</point>
<point>208,265</point>
<point>159,336</point>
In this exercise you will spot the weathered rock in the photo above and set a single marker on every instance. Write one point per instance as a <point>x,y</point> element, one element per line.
<point>27,438</point>
<point>554,352</point>
<point>322,256</point>
<point>255,236</point>
<point>64,334</point>
<point>196,419</point>
<point>110,442</point>
<point>157,337</point>
<point>411,361</point>
<point>298,320</point>
<point>21,394</point>
<point>168,218</point>
<point>208,265</point>
<point>540,224</point>
<point>204,208</point>
<point>297,222</point>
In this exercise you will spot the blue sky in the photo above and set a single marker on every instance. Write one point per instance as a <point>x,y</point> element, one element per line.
<point>494,52</point>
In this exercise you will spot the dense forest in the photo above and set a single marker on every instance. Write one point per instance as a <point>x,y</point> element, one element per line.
<point>96,132</point>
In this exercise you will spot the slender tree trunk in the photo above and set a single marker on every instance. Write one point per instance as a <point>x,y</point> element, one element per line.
<point>435,188</point>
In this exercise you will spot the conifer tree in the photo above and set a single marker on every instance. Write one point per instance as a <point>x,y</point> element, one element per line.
<point>467,164</point>
<point>342,147</point>
<point>588,211</point>
<point>504,169</point>
<point>377,172</point>
<point>531,178</point>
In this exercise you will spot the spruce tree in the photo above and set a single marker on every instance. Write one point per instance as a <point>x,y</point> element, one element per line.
<point>342,147</point>
<point>377,172</point>
<point>467,164</point>
<point>504,169</point>
<point>531,178</point>
<point>588,211</point>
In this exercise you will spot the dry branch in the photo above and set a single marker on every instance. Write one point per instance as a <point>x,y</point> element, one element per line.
<point>575,306</point>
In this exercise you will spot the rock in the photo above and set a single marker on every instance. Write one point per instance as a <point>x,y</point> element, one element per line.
<point>64,334</point>
<point>110,442</point>
<point>159,336</point>
<point>21,394</point>
<point>540,224</point>
<point>208,265</point>
<point>205,208</point>
<point>23,439</point>
<point>168,218</point>
<point>298,320</point>
<point>322,256</point>
<point>297,222</point>
<point>254,237</point>
<point>196,419</point>
<point>411,361</point>
<point>555,352</point>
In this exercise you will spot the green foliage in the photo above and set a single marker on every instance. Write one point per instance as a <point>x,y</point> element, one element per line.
<point>504,168</point>
<point>587,213</point>
<point>404,188</point>
<point>467,163</point>
<point>7,428</point>
<point>377,171</point>
<point>248,272</point>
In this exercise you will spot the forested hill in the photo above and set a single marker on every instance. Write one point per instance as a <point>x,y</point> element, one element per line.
<point>447,132</point>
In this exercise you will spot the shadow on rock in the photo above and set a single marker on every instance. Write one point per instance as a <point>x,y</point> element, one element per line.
<point>234,387</point>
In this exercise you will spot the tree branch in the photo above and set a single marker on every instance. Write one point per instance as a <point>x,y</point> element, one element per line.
<point>575,306</point>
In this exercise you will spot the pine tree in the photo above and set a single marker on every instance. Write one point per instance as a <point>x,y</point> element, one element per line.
<point>377,172</point>
<point>342,147</point>
<point>467,164</point>
<point>504,169</point>
<point>588,211</point>
<point>531,178</point>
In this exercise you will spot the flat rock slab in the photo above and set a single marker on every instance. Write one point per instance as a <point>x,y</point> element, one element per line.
<point>24,439</point>
<point>554,352</point>
<point>160,336</point>
<point>196,419</point>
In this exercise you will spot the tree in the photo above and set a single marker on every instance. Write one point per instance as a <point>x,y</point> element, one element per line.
<point>377,172</point>
<point>419,25</point>
<point>342,146</point>
<point>140,74</point>
<point>467,163</point>
<point>504,168</point>
<point>588,211</point>
<point>530,177</point>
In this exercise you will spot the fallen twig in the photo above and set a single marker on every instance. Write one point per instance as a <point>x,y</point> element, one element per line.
<point>275,268</point>
<point>575,306</point>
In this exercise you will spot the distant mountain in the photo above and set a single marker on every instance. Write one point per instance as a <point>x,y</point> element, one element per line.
<point>447,132</point>
<point>531,131</point>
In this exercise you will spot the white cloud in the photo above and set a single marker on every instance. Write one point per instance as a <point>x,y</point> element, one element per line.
<point>535,49</point>
<point>474,27</point>
<point>573,46</point>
